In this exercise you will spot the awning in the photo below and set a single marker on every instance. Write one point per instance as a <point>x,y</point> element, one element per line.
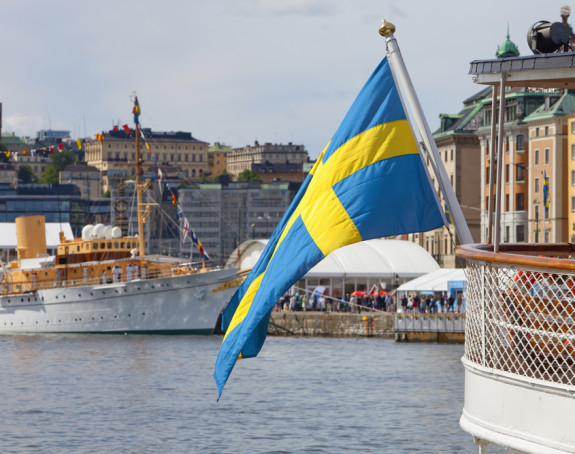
<point>436,281</point>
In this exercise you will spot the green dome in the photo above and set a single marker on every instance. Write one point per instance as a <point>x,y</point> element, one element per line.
<point>507,49</point>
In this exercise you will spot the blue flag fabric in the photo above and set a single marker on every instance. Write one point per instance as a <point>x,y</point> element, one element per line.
<point>546,192</point>
<point>369,182</point>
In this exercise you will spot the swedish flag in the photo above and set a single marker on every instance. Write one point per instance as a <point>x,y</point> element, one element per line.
<point>369,182</point>
<point>546,192</point>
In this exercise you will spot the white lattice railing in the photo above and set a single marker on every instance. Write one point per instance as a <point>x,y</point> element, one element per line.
<point>521,310</point>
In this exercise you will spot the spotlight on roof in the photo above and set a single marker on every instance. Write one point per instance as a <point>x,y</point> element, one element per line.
<point>545,37</point>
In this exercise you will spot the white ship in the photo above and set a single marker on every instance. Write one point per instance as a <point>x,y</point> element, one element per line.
<point>102,283</point>
<point>520,329</point>
<point>67,294</point>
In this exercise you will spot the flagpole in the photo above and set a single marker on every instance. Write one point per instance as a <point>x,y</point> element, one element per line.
<point>139,187</point>
<point>400,71</point>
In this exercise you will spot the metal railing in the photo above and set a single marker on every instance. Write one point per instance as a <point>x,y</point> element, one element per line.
<point>521,311</point>
<point>170,267</point>
<point>446,322</point>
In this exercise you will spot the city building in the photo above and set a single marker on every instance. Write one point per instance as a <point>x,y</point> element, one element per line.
<point>218,159</point>
<point>520,103</point>
<point>13,143</point>
<point>57,202</point>
<point>115,155</point>
<point>244,158</point>
<point>281,172</point>
<point>224,216</point>
<point>36,161</point>
<point>8,174</point>
<point>571,176</point>
<point>52,136</point>
<point>549,164</point>
<point>85,177</point>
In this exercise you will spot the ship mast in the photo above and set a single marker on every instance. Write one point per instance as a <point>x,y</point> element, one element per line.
<point>139,187</point>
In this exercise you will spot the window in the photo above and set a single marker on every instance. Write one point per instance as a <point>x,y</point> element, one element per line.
<point>573,178</point>
<point>573,127</point>
<point>546,155</point>
<point>537,213</point>
<point>520,172</point>
<point>536,185</point>
<point>573,203</point>
<point>521,142</point>
<point>536,132</point>
<point>506,202</point>
<point>536,157</point>
<point>507,173</point>
<point>519,201</point>
<point>452,154</point>
<point>506,238</point>
<point>519,233</point>
<point>573,151</point>
<point>546,130</point>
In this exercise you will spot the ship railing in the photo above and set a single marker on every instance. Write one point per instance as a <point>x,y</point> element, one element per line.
<point>177,266</point>
<point>521,311</point>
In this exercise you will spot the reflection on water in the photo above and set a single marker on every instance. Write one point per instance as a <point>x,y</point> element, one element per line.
<point>144,394</point>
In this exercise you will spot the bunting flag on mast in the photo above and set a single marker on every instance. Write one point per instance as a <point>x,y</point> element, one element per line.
<point>127,129</point>
<point>199,245</point>
<point>61,147</point>
<point>186,229</point>
<point>136,110</point>
<point>79,142</point>
<point>369,182</point>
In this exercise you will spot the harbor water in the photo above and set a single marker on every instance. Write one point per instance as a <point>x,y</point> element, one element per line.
<point>156,394</point>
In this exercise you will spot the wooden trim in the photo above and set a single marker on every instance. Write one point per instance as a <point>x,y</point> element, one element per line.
<point>521,254</point>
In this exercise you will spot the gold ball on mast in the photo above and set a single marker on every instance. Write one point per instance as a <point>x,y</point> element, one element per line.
<point>386,28</point>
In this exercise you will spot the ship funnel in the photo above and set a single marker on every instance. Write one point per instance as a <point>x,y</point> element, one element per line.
<point>30,236</point>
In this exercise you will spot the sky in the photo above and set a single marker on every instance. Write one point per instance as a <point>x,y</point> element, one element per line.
<point>238,71</point>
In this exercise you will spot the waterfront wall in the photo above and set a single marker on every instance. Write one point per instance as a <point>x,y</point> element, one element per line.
<point>331,324</point>
<point>421,328</point>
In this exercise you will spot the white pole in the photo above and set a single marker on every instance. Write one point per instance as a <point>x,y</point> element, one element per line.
<point>498,185</point>
<point>400,72</point>
<point>492,151</point>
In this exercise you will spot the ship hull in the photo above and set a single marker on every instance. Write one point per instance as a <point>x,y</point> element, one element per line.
<point>188,304</point>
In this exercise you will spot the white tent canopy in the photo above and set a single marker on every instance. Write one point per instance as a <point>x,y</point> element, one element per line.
<point>377,258</point>
<point>435,281</point>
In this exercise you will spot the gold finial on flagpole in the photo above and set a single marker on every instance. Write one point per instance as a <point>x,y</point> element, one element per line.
<point>386,28</point>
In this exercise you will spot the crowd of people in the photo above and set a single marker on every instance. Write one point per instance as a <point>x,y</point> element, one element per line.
<point>430,304</point>
<point>357,302</point>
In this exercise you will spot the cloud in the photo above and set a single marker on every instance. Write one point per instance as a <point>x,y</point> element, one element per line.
<point>27,125</point>
<point>296,7</point>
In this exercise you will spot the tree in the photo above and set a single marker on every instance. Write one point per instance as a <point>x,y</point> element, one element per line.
<point>3,157</point>
<point>249,175</point>
<point>63,159</point>
<point>26,174</point>
<point>50,175</point>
